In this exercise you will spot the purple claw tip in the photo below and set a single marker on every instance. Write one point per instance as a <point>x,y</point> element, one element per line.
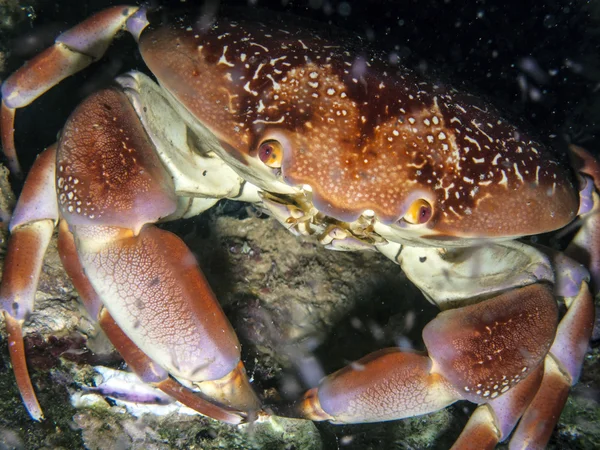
<point>585,195</point>
<point>137,23</point>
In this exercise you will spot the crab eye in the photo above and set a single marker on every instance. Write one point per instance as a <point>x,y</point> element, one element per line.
<point>419,212</point>
<point>271,153</point>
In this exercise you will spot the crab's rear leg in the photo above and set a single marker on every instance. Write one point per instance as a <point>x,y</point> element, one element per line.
<point>565,359</point>
<point>73,50</point>
<point>540,406</point>
<point>562,368</point>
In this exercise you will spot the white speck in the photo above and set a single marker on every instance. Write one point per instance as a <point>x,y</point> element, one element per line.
<point>258,69</point>
<point>517,173</point>
<point>276,85</point>
<point>261,46</point>
<point>275,60</point>
<point>223,59</point>
<point>504,180</point>
<point>247,89</point>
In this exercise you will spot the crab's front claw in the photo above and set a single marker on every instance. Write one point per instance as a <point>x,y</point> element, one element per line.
<point>490,353</point>
<point>233,385</point>
<point>386,385</point>
<point>167,323</point>
<point>172,333</point>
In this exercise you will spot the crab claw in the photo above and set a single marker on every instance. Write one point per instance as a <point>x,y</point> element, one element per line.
<point>386,385</point>
<point>489,353</point>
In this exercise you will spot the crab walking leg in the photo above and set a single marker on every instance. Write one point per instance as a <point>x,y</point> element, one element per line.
<point>585,247</point>
<point>73,50</point>
<point>561,371</point>
<point>239,396</point>
<point>493,422</point>
<point>476,353</point>
<point>31,228</point>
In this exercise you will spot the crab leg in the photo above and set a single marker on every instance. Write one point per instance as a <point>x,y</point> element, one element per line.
<point>585,247</point>
<point>73,50</point>
<point>478,353</point>
<point>561,371</point>
<point>233,408</point>
<point>111,186</point>
<point>492,422</point>
<point>31,228</point>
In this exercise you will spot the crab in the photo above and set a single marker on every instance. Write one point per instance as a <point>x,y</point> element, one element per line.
<point>351,150</point>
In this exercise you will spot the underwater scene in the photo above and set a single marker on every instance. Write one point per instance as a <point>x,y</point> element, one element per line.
<point>300,224</point>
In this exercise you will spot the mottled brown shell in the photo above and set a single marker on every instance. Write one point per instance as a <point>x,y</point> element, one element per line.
<point>362,133</point>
